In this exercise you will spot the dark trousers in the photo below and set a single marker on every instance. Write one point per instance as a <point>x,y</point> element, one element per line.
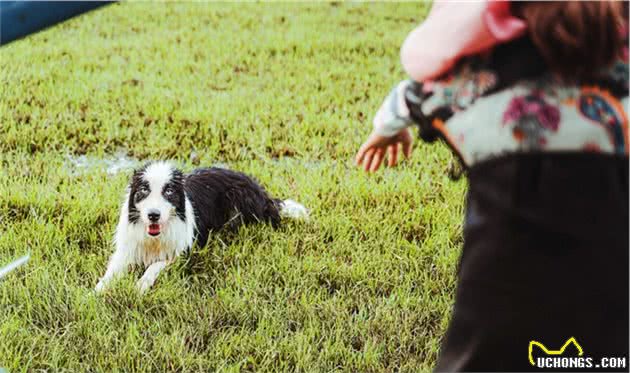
<point>545,259</point>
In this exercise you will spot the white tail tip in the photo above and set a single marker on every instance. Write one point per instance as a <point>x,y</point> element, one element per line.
<point>293,210</point>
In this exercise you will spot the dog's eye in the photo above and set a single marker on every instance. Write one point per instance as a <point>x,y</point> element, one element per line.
<point>142,192</point>
<point>168,191</point>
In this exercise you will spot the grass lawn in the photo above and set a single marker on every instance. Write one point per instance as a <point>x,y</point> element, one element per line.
<point>284,92</point>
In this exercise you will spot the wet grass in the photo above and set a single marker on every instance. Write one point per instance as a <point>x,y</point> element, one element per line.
<point>284,92</point>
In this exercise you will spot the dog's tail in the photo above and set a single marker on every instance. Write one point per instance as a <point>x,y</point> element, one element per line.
<point>292,210</point>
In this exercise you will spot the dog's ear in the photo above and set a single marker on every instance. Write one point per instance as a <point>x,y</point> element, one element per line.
<point>178,176</point>
<point>136,177</point>
<point>137,172</point>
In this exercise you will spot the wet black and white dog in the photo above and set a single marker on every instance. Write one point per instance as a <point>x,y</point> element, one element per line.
<point>165,212</point>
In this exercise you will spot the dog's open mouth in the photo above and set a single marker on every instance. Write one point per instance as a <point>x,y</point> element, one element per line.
<point>153,229</point>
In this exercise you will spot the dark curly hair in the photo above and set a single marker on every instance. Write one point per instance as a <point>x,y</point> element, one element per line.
<point>577,39</point>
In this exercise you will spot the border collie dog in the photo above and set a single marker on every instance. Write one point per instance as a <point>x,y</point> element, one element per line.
<point>165,212</point>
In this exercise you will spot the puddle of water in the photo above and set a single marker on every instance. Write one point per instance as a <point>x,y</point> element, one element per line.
<point>113,164</point>
<point>119,162</point>
<point>288,162</point>
<point>221,165</point>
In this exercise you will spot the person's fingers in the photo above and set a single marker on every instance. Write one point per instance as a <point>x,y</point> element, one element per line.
<point>367,159</point>
<point>406,145</point>
<point>361,153</point>
<point>393,155</point>
<point>358,158</point>
<point>377,160</point>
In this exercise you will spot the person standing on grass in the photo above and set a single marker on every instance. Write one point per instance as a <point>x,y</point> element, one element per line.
<point>532,98</point>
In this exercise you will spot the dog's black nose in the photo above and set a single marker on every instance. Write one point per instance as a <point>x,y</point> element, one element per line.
<point>154,215</point>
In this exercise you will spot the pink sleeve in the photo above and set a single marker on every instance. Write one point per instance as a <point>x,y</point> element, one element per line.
<point>456,29</point>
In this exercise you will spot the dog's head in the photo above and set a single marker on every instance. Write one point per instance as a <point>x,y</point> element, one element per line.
<point>156,197</point>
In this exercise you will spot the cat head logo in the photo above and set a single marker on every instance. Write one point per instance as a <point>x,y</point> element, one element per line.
<point>567,344</point>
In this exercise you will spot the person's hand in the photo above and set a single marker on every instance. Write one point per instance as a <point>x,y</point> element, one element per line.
<point>372,152</point>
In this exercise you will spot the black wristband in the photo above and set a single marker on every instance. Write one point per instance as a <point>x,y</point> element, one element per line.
<point>414,97</point>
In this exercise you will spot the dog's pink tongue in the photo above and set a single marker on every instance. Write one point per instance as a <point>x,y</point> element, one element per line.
<point>154,229</point>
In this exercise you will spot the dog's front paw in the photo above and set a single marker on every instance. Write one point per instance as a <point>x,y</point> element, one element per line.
<point>144,284</point>
<point>100,286</point>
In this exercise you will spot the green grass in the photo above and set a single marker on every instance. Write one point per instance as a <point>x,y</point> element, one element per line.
<point>284,92</point>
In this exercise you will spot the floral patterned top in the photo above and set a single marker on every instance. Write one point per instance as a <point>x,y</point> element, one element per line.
<point>508,102</point>
<point>532,115</point>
